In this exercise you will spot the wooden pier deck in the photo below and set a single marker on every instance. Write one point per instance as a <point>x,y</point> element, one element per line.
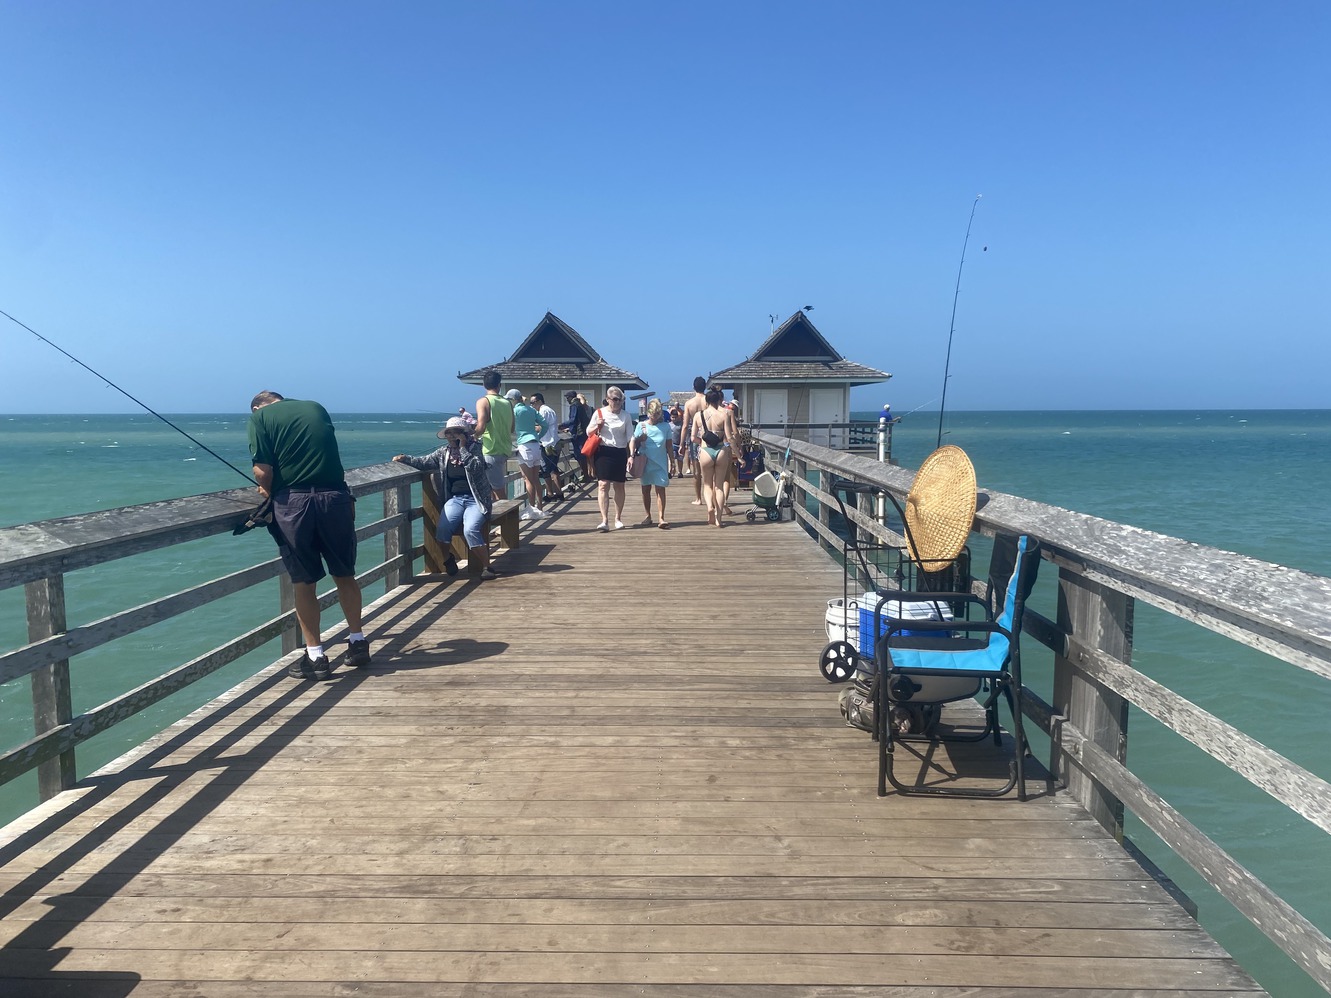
<point>595,776</point>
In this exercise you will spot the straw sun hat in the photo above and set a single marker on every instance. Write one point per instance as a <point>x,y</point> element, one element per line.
<point>940,507</point>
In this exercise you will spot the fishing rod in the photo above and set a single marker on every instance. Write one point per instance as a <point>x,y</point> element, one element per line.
<point>953,328</point>
<point>127,395</point>
<point>918,408</point>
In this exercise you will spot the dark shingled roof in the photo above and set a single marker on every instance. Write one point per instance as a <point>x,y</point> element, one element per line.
<point>841,370</point>
<point>555,352</point>
<point>796,351</point>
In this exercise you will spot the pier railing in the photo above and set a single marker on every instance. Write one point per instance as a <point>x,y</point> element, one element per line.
<point>38,556</point>
<point>856,436</point>
<point>1104,568</point>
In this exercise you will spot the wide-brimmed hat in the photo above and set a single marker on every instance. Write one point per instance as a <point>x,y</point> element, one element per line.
<point>456,423</point>
<point>940,508</point>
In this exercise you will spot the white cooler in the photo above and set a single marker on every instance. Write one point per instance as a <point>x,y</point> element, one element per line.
<point>843,621</point>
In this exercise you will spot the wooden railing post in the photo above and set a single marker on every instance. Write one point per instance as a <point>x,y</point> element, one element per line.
<point>286,599</point>
<point>824,511</point>
<point>1093,617</point>
<point>800,470</point>
<point>397,540</point>
<point>435,555</point>
<point>51,700</point>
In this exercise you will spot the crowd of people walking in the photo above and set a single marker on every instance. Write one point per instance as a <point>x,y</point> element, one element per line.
<point>698,439</point>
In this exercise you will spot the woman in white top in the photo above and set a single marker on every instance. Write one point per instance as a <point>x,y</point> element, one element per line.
<point>611,460</point>
<point>717,435</point>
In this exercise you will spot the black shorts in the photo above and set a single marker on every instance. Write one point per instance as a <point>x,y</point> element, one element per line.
<point>314,526</point>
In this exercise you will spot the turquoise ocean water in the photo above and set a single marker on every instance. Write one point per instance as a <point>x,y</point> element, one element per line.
<point>1254,482</point>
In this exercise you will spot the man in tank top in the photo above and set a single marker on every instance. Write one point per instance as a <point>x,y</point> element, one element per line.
<point>494,429</point>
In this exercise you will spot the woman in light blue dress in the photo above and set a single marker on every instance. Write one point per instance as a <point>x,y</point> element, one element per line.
<point>652,439</point>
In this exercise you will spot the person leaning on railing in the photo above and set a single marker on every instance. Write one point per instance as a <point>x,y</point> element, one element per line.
<point>297,465</point>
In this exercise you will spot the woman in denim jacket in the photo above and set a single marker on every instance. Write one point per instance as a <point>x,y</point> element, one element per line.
<point>464,491</point>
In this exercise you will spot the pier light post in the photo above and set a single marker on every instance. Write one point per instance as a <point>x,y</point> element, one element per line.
<point>884,455</point>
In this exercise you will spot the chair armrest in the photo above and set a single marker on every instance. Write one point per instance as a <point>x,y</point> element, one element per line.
<point>909,596</point>
<point>912,596</point>
<point>896,625</point>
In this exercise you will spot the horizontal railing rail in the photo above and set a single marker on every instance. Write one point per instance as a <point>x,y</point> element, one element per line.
<point>38,556</point>
<point>852,435</point>
<point>1103,569</point>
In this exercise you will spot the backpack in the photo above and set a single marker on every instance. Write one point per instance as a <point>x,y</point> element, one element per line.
<point>857,704</point>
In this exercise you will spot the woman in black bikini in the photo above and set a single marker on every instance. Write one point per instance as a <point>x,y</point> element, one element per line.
<point>717,435</point>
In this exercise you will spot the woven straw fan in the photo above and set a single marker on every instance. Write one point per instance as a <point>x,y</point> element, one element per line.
<point>940,508</point>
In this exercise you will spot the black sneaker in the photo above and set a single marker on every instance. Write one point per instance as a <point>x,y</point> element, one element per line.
<point>309,668</point>
<point>300,669</point>
<point>320,667</point>
<point>451,564</point>
<point>358,654</point>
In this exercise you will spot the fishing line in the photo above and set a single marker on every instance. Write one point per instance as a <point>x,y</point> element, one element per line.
<point>127,395</point>
<point>953,328</point>
<point>918,408</point>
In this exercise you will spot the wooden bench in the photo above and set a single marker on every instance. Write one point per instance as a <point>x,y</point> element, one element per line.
<point>504,514</point>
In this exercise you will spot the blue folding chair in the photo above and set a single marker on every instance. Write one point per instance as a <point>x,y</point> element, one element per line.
<point>961,659</point>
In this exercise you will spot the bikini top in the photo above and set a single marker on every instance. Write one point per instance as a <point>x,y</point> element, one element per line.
<point>711,439</point>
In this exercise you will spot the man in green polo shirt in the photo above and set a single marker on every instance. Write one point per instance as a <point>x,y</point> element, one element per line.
<point>494,429</point>
<point>298,466</point>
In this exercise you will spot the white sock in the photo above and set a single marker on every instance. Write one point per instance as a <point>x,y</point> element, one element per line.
<point>358,636</point>
<point>315,652</point>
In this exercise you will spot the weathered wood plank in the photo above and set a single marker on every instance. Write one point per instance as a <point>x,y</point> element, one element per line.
<point>93,985</point>
<point>526,912</point>
<point>65,643</point>
<point>1291,784</point>
<point>627,969</point>
<point>558,940</point>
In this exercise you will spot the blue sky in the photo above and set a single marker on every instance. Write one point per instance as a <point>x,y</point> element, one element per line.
<point>353,202</point>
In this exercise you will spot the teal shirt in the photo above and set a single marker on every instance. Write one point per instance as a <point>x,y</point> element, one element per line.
<point>297,439</point>
<point>654,437</point>
<point>525,421</point>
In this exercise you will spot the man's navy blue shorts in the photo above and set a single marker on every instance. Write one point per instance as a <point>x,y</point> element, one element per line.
<point>314,526</point>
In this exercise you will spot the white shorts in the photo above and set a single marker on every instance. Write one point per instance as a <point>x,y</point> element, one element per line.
<point>530,456</point>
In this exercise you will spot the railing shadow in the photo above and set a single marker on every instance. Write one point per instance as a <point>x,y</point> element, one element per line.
<point>32,951</point>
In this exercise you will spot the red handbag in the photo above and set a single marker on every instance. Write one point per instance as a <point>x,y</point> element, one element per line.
<point>593,440</point>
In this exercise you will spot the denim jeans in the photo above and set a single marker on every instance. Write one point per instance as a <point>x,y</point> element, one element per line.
<point>462,513</point>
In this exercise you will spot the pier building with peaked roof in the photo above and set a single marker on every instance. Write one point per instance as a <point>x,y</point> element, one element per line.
<point>554,359</point>
<point>796,378</point>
